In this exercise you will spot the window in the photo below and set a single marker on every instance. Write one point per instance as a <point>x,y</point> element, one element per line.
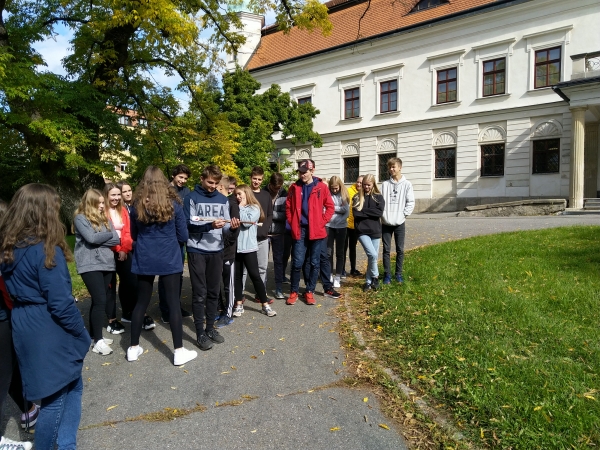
<point>123,167</point>
<point>125,120</point>
<point>303,100</point>
<point>352,103</point>
<point>546,156</point>
<point>351,169</point>
<point>142,123</point>
<point>547,67</point>
<point>446,85</point>
<point>383,169</point>
<point>492,160</point>
<point>389,96</point>
<point>494,75</point>
<point>426,4</point>
<point>445,162</point>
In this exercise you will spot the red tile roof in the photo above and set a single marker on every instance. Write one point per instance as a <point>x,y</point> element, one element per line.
<point>381,16</point>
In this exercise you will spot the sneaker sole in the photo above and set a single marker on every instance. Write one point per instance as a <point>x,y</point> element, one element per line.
<point>116,331</point>
<point>151,327</point>
<point>101,353</point>
<point>332,296</point>
<point>273,314</point>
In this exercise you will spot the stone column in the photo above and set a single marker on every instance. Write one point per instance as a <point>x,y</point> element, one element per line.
<point>577,149</point>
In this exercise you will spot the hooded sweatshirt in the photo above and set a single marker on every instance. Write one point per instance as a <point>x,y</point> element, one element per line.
<point>198,205</point>
<point>341,212</point>
<point>399,201</point>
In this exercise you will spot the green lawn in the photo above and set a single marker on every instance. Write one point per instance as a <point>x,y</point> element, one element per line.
<point>79,289</point>
<point>503,331</point>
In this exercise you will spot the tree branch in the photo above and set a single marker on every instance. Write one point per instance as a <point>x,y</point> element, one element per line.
<point>63,19</point>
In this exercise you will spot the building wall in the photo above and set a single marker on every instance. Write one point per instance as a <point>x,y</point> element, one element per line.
<point>521,115</point>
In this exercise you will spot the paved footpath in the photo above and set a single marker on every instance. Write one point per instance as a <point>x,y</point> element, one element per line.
<point>273,384</point>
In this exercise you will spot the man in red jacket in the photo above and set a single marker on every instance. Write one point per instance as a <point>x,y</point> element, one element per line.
<point>309,207</point>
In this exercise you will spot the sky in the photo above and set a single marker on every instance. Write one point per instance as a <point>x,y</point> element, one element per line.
<point>55,49</point>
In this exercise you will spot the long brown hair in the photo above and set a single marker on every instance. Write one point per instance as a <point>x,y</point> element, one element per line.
<point>33,217</point>
<point>337,181</point>
<point>251,199</point>
<point>107,188</point>
<point>368,178</point>
<point>154,197</point>
<point>88,207</point>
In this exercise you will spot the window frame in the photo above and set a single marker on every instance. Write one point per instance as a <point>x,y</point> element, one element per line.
<point>125,120</point>
<point>446,81</point>
<point>383,164</point>
<point>389,92</point>
<point>493,73</point>
<point>483,159</point>
<point>547,63</point>
<point>303,100</point>
<point>345,169</point>
<point>352,99</point>
<point>416,8</point>
<point>435,163</point>
<point>536,152</point>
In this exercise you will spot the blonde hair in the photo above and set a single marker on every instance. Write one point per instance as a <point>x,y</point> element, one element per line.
<point>337,181</point>
<point>368,178</point>
<point>33,217</point>
<point>250,199</point>
<point>89,208</point>
<point>153,198</point>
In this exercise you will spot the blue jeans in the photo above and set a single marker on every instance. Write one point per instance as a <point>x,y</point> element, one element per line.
<point>299,250</point>
<point>59,418</point>
<point>371,247</point>
<point>324,268</point>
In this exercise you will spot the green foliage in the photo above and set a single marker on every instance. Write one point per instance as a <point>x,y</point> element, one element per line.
<point>260,116</point>
<point>502,331</point>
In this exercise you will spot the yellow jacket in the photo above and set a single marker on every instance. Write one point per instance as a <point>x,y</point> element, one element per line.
<point>352,191</point>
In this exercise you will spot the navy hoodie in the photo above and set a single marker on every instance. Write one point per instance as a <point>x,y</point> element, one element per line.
<point>198,205</point>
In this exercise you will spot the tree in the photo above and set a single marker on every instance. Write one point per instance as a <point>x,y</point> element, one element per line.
<point>260,116</point>
<point>67,124</point>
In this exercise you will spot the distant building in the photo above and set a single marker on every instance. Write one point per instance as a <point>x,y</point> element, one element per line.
<point>483,100</point>
<point>130,119</point>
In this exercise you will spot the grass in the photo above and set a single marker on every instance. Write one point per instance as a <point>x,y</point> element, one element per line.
<point>502,332</point>
<point>79,289</point>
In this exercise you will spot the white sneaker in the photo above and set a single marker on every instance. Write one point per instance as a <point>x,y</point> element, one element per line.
<point>268,311</point>
<point>238,311</point>
<point>7,444</point>
<point>134,352</point>
<point>336,282</point>
<point>102,348</point>
<point>107,341</point>
<point>183,355</point>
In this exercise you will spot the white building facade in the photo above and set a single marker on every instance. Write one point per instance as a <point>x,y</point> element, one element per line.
<point>465,100</point>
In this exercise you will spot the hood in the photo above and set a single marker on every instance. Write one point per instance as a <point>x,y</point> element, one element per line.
<point>198,188</point>
<point>18,254</point>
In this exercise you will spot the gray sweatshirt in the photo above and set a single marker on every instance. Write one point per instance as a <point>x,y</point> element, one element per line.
<point>341,212</point>
<point>92,248</point>
<point>399,201</point>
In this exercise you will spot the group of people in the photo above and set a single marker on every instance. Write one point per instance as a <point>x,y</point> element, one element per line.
<point>226,230</point>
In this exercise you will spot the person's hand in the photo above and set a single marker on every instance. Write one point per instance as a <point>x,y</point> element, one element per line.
<point>220,223</point>
<point>235,223</point>
<point>122,256</point>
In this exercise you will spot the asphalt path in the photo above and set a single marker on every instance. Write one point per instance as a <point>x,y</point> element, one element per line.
<point>274,383</point>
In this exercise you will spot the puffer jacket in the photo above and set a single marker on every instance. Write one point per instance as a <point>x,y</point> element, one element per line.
<point>93,248</point>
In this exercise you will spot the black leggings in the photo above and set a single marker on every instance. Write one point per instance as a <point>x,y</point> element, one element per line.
<point>97,284</point>
<point>145,283</point>
<point>351,242</point>
<point>10,375</point>
<point>336,236</point>
<point>127,288</point>
<point>250,261</point>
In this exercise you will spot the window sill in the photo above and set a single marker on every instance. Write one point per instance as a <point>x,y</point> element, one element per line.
<point>441,105</point>
<point>547,173</point>
<point>491,176</point>
<point>542,89</point>
<point>352,119</point>
<point>444,178</point>
<point>389,113</point>
<point>493,96</point>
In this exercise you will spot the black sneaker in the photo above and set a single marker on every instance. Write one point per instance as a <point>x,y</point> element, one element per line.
<point>149,323</point>
<point>204,342</point>
<point>115,327</point>
<point>375,283</point>
<point>332,293</point>
<point>355,273</point>
<point>366,287</point>
<point>164,318</point>
<point>214,336</point>
<point>126,318</point>
<point>185,314</point>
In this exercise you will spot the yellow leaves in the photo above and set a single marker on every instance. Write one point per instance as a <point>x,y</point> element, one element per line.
<point>174,387</point>
<point>589,397</point>
<point>366,399</point>
<point>335,429</point>
<point>253,357</point>
<point>111,407</point>
<point>537,408</point>
<point>384,426</point>
<point>529,274</point>
<point>106,364</point>
<point>253,431</point>
<point>460,358</point>
<point>262,351</point>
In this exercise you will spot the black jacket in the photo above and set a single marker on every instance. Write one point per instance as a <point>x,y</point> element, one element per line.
<point>232,235</point>
<point>367,221</point>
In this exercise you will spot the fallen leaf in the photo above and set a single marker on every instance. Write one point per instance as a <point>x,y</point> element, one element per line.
<point>173,387</point>
<point>253,357</point>
<point>282,339</point>
<point>591,397</point>
<point>319,305</point>
<point>366,418</point>
<point>262,351</point>
<point>461,359</point>
<point>537,408</point>
<point>233,368</point>
<point>384,426</point>
<point>366,399</point>
<point>280,395</point>
<point>186,371</point>
<point>111,407</point>
<point>253,431</point>
<point>223,373</point>
<point>335,429</point>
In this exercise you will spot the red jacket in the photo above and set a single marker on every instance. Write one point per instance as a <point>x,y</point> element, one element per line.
<point>320,210</point>
<point>126,240</point>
